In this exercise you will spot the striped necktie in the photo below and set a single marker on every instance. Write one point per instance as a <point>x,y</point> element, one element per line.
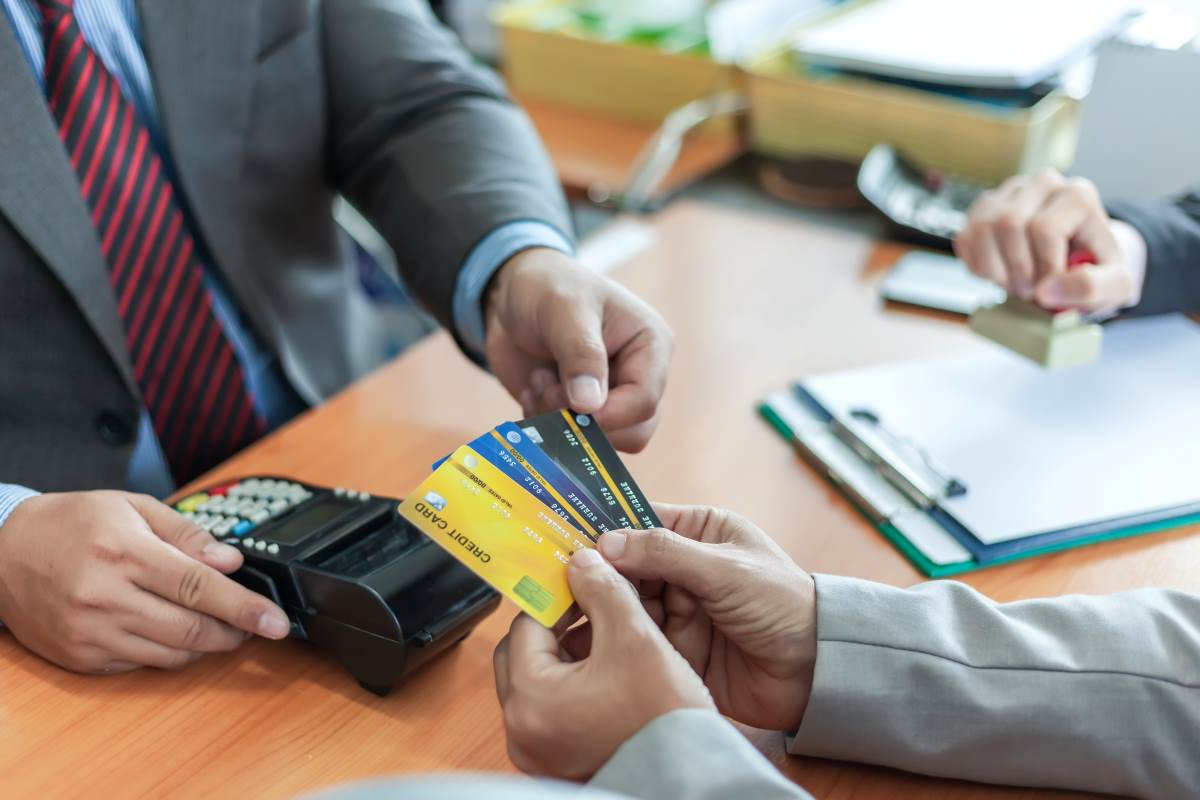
<point>191,380</point>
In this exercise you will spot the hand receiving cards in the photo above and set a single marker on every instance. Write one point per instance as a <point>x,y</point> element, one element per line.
<point>517,502</point>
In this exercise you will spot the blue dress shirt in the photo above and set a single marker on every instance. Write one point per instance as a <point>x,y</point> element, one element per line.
<point>113,29</point>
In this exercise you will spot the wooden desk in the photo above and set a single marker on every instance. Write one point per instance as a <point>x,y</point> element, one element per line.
<point>755,301</point>
<point>597,152</point>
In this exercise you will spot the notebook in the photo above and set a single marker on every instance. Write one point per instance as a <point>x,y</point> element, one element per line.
<point>1012,44</point>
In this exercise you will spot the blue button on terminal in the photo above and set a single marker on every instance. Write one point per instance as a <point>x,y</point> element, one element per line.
<point>242,528</point>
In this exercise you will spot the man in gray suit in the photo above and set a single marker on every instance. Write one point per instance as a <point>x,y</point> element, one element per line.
<point>175,285</point>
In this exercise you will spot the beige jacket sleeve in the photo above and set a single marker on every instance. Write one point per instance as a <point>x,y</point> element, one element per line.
<point>1081,692</point>
<point>693,755</point>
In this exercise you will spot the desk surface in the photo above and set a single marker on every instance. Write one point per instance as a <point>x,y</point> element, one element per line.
<point>755,301</point>
<point>596,152</point>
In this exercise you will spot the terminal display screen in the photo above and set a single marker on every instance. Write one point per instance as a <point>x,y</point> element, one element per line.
<point>300,526</point>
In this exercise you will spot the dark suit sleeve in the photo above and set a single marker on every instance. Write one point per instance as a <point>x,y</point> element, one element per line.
<point>1172,234</point>
<point>426,144</point>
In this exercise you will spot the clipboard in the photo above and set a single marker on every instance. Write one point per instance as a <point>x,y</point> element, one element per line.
<point>924,536</point>
<point>925,510</point>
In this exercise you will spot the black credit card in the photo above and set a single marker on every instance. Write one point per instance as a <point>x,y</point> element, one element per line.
<point>578,445</point>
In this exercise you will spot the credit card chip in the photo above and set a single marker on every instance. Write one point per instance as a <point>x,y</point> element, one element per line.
<point>529,591</point>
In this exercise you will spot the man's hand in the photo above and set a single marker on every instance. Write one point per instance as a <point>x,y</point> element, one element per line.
<point>558,335</point>
<point>1021,234</point>
<point>566,718</point>
<point>733,604</point>
<point>110,581</point>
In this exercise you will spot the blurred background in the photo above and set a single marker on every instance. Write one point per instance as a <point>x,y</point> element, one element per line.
<point>887,117</point>
<point>965,92</point>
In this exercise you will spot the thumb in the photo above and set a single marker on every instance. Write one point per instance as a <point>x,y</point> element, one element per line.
<point>574,337</point>
<point>660,554</point>
<point>1092,288</point>
<point>177,531</point>
<point>609,601</point>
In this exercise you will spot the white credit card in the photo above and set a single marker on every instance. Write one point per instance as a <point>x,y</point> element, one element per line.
<point>940,282</point>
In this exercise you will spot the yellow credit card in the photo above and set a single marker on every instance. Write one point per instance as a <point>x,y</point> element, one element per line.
<point>499,531</point>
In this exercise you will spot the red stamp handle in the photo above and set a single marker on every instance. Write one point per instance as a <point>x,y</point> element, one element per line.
<point>1078,258</point>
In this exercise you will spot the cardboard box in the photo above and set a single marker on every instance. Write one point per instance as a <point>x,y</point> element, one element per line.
<point>797,112</point>
<point>561,62</point>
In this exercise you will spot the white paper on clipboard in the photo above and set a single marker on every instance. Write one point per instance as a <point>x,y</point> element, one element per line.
<point>1044,451</point>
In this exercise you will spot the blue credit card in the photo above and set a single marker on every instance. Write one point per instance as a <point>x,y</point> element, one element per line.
<point>554,477</point>
<point>493,451</point>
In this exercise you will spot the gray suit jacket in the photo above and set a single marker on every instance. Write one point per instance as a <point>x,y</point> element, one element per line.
<point>1172,234</point>
<point>271,109</point>
<point>1093,693</point>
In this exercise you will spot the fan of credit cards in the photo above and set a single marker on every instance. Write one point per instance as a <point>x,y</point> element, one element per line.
<point>517,502</point>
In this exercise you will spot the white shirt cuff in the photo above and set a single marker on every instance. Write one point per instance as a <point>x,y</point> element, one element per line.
<point>12,496</point>
<point>1133,247</point>
<point>489,255</point>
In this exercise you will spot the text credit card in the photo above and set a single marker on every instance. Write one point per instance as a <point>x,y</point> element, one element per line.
<point>485,520</point>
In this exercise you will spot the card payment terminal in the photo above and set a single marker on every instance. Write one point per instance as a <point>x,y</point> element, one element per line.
<point>352,575</point>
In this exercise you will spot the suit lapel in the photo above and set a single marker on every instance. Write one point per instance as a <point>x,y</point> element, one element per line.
<point>39,193</point>
<point>201,55</point>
